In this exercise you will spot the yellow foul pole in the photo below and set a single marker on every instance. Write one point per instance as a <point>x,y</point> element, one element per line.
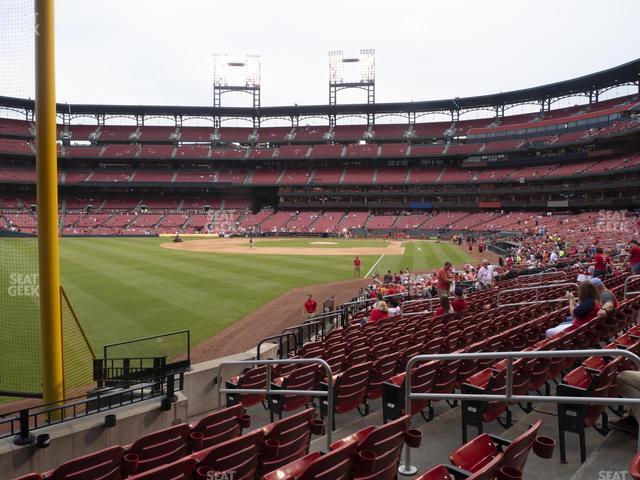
<point>47,199</point>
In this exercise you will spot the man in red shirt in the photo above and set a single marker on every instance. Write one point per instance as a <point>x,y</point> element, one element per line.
<point>310,307</point>
<point>356,266</point>
<point>444,279</point>
<point>600,268</point>
<point>634,257</point>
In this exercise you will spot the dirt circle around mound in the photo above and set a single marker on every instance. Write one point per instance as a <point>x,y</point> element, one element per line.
<point>241,245</point>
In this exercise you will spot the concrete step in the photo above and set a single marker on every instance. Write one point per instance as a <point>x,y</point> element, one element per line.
<point>610,460</point>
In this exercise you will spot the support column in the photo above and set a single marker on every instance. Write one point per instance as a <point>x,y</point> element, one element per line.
<point>47,199</point>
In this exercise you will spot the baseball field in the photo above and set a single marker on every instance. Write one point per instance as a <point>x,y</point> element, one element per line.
<point>124,288</point>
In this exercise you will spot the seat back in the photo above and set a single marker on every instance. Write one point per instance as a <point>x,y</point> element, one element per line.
<point>515,455</point>
<point>385,443</point>
<point>240,455</point>
<point>489,471</point>
<point>220,426</point>
<point>439,472</point>
<point>382,370</point>
<point>161,447</point>
<point>102,465</point>
<point>422,381</point>
<point>255,378</point>
<point>302,378</point>
<point>293,435</point>
<point>180,470</point>
<point>634,468</point>
<point>351,387</point>
<point>335,465</point>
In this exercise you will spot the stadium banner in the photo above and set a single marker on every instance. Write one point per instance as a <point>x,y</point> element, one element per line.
<point>490,204</point>
<point>558,203</point>
<point>423,205</point>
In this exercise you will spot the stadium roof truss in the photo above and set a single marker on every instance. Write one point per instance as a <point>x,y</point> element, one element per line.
<point>591,86</point>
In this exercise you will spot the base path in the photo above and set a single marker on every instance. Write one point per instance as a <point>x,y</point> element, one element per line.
<point>241,245</point>
<point>270,319</point>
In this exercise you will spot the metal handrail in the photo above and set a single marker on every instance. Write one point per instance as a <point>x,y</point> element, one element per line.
<point>541,279</point>
<point>508,395</point>
<point>268,391</point>
<point>536,288</point>
<point>626,286</point>
<point>373,300</point>
<point>311,324</point>
<point>279,337</point>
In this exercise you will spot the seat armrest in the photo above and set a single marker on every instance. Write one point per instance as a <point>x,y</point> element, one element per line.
<point>500,441</point>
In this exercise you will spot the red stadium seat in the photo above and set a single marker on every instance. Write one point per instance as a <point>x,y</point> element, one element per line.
<point>180,470</point>
<point>449,472</point>
<point>255,378</point>
<point>634,468</point>
<point>302,378</point>
<point>423,380</point>
<point>334,465</point>
<point>382,371</point>
<point>480,451</point>
<point>240,455</point>
<point>157,448</point>
<point>581,382</point>
<point>349,390</point>
<point>292,436</point>
<point>383,445</point>
<point>103,465</point>
<point>219,426</point>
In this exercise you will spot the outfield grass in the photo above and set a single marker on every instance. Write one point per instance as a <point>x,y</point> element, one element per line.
<point>124,288</point>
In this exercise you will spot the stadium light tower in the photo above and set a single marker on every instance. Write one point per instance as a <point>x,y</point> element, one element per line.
<point>223,83</point>
<point>366,82</point>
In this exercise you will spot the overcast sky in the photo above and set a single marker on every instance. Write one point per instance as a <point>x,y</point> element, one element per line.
<point>160,52</point>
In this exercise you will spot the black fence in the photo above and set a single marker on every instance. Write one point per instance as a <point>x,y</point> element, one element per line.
<point>143,359</point>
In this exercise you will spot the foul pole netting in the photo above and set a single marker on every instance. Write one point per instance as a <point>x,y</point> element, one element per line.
<point>20,355</point>
<point>43,349</point>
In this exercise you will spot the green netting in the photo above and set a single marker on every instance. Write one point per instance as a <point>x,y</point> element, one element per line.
<point>77,354</point>
<point>19,317</point>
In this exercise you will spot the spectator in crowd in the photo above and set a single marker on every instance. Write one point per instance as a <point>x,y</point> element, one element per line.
<point>485,275</point>
<point>445,278</point>
<point>380,311</point>
<point>600,267</point>
<point>310,307</point>
<point>628,383</point>
<point>586,310</point>
<point>459,304</point>
<point>634,257</point>
<point>388,277</point>
<point>444,308</point>
<point>394,309</point>
<point>608,300</point>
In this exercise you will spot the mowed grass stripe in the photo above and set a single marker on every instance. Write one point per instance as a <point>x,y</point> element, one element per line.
<point>239,264</point>
<point>173,270</point>
<point>106,264</point>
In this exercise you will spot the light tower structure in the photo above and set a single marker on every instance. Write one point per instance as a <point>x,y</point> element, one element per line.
<point>223,81</point>
<point>367,82</point>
